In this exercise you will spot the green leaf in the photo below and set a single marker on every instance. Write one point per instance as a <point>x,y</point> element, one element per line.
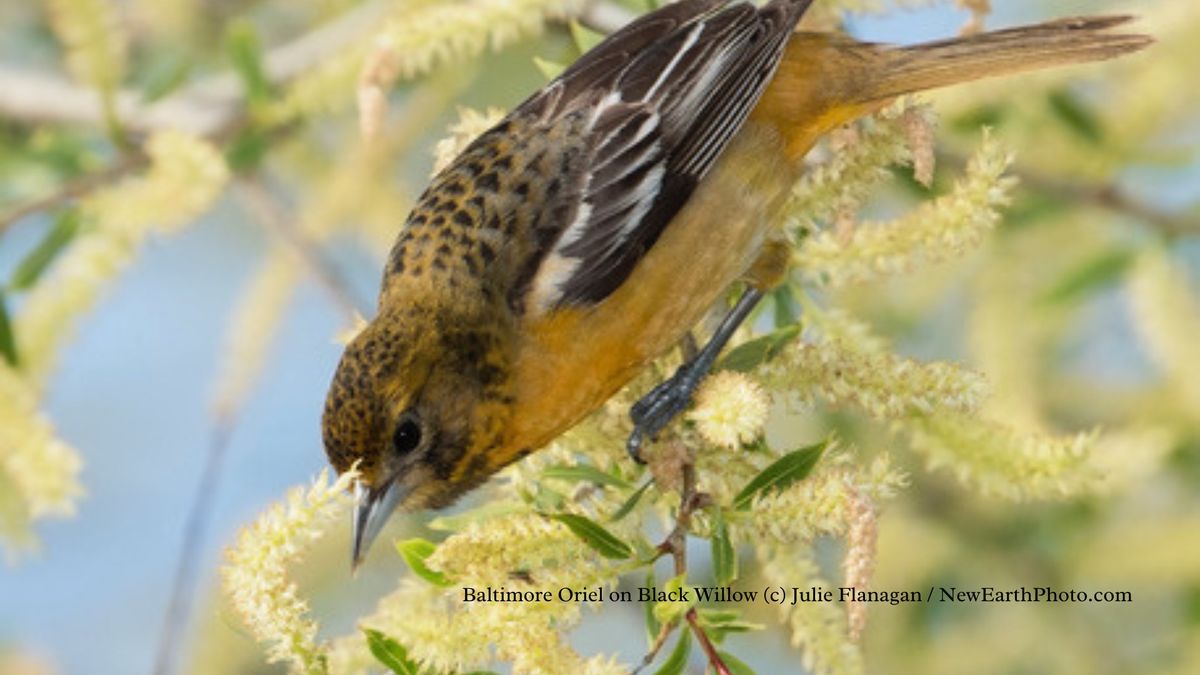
<point>991,115</point>
<point>627,507</point>
<point>551,69</point>
<point>30,269</point>
<point>247,149</point>
<point>584,38</point>
<point>786,312</point>
<point>1076,116</point>
<point>670,611</point>
<point>749,355</point>
<point>415,552</point>
<point>1091,276</point>
<point>594,535</point>
<point>677,661</point>
<point>783,472</point>
<point>721,622</point>
<point>652,624</point>
<point>164,74</point>
<point>724,555</point>
<point>390,653</point>
<point>736,666</point>
<point>8,345</point>
<point>584,473</point>
<point>245,52</point>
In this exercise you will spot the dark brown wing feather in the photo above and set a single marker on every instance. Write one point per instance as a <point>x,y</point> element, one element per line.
<point>665,96</point>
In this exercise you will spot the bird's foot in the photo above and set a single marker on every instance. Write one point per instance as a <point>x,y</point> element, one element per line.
<point>654,411</point>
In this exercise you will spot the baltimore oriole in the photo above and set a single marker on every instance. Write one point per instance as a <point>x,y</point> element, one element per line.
<point>590,229</point>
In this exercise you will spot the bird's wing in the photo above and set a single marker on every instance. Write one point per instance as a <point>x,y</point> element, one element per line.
<point>663,96</point>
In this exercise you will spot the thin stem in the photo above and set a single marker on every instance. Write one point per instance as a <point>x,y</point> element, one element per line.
<point>659,640</point>
<point>123,166</point>
<point>194,533</point>
<point>1108,196</point>
<point>706,644</point>
<point>675,544</point>
<point>267,209</point>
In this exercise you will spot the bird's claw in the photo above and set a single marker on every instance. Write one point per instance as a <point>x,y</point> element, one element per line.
<point>654,411</point>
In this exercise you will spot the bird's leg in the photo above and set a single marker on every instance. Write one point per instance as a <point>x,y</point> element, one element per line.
<point>670,397</point>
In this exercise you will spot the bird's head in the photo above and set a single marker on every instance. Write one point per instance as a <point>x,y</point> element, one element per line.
<point>415,405</point>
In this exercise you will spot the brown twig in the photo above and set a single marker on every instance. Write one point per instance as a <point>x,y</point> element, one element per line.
<point>270,212</point>
<point>706,644</point>
<point>675,544</point>
<point>212,108</point>
<point>1107,196</point>
<point>74,189</point>
<point>664,632</point>
<point>194,532</point>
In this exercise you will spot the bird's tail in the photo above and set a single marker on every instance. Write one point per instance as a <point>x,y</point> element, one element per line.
<point>825,80</point>
<point>937,64</point>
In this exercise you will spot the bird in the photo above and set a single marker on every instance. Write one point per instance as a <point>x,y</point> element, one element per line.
<point>592,227</point>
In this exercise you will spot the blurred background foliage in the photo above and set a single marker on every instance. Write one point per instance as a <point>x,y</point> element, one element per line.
<point>190,213</point>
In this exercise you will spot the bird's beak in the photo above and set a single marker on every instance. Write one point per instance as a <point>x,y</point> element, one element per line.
<point>372,506</point>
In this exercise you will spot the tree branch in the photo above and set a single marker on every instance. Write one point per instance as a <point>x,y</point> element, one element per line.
<point>267,209</point>
<point>212,108</point>
<point>207,108</point>
<point>1107,196</point>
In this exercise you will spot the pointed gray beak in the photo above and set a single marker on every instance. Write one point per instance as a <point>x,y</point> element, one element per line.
<point>372,507</point>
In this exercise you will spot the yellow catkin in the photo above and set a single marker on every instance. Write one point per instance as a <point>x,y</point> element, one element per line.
<point>185,177</point>
<point>470,124</point>
<point>937,230</point>
<point>422,35</point>
<point>882,384</point>
<point>731,409</point>
<point>1000,461</point>
<point>94,40</point>
<point>859,563</point>
<point>39,472</point>
<point>818,628</point>
<point>1167,319</point>
<point>445,634</point>
<point>255,575</point>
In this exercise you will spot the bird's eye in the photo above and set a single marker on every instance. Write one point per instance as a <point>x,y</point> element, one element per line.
<point>407,436</point>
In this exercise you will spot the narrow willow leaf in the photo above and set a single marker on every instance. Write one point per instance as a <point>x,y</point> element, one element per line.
<point>550,69</point>
<point>415,552</point>
<point>584,473</point>
<point>783,472</point>
<point>652,624</point>
<point>594,535</point>
<point>245,52</point>
<point>1076,115</point>
<point>736,666</point>
<point>1089,277</point>
<point>677,661</point>
<point>165,74</point>
<point>247,150</point>
<point>627,507</point>
<point>786,312</point>
<point>724,555</point>
<point>584,38</point>
<point>8,345</point>
<point>749,355</point>
<point>718,623</point>
<point>390,653</point>
<point>30,269</point>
